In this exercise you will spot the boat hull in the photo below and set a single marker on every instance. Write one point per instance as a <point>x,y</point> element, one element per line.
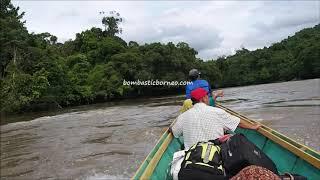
<point>288,155</point>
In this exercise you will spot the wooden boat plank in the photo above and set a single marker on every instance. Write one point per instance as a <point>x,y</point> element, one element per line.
<point>271,134</point>
<point>306,169</point>
<point>154,161</point>
<point>160,172</point>
<point>302,154</point>
<point>270,130</point>
<point>145,163</point>
<point>284,159</point>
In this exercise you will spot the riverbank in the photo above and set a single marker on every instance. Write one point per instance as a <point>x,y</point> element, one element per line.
<point>55,108</point>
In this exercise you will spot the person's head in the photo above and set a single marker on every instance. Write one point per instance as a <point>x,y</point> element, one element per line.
<point>194,74</point>
<point>199,95</point>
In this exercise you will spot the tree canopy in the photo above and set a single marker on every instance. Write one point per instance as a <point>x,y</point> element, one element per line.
<point>36,69</point>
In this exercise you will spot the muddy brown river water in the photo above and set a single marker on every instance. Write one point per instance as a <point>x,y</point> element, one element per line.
<point>110,140</point>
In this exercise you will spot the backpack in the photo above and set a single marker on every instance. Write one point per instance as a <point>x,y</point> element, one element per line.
<point>202,161</point>
<point>238,152</point>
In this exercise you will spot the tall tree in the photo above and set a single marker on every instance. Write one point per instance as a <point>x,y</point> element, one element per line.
<point>111,23</point>
<point>12,35</point>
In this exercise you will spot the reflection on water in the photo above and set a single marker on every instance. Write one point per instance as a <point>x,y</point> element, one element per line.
<point>109,141</point>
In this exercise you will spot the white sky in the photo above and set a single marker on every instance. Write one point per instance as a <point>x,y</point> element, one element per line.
<point>213,28</point>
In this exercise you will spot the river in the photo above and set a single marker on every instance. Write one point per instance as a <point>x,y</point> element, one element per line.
<point>110,140</point>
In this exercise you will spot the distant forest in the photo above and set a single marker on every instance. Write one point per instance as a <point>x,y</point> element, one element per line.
<point>37,72</point>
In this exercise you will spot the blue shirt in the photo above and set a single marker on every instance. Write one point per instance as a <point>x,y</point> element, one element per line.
<point>199,83</point>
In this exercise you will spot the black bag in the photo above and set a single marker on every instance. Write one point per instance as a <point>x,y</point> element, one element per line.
<point>288,176</point>
<point>238,152</point>
<point>202,161</point>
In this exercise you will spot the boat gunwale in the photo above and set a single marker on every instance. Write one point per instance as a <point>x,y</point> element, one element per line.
<point>275,136</point>
<point>157,156</point>
<point>150,155</point>
<point>269,129</point>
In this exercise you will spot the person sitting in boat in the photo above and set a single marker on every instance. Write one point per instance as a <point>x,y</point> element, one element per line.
<point>197,82</point>
<point>204,122</point>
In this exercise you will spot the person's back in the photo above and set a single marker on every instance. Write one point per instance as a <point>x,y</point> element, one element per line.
<point>200,124</point>
<point>198,83</point>
<point>203,123</point>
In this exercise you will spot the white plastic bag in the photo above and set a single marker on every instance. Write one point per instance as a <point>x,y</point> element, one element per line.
<point>176,163</point>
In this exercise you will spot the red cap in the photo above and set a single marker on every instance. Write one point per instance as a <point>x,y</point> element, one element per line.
<point>198,93</point>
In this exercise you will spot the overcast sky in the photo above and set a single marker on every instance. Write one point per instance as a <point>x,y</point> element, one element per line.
<point>213,28</point>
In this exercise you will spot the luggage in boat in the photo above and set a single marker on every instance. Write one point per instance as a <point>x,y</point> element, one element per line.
<point>288,176</point>
<point>201,162</point>
<point>238,152</point>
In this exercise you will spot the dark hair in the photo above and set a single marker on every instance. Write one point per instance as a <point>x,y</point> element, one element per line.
<point>193,78</point>
<point>194,74</point>
<point>194,101</point>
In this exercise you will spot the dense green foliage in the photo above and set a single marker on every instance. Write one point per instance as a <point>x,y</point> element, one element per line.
<point>297,57</point>
<point>35,69</point>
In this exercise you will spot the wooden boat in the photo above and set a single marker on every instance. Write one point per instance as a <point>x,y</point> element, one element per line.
<point>287,154</point>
